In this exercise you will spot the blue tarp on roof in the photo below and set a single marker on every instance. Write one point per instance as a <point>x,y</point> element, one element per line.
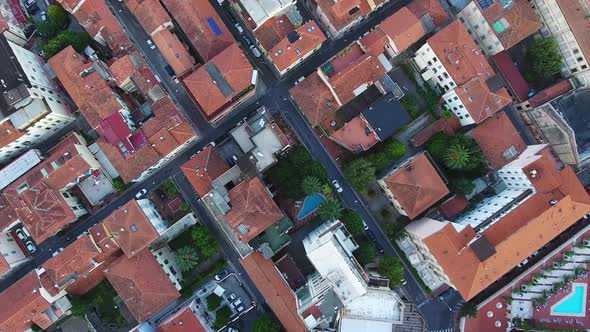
<point>214,26</point>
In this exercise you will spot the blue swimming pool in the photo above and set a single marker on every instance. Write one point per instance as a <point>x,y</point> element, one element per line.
<point>572,305</point>
<point>310,204</point>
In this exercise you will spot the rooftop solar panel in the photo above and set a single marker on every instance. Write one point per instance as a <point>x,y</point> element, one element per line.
<point>214,26</point>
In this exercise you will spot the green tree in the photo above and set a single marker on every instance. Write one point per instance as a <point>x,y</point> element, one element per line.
<point>394,149</point>
<point>437,145</point>
<point>446,114</point>
<point>184,206</point>
<point>187,258</point>
<point>458,156</point>
<point>378,160</point>
<point>468,309</point>
<point>213,302</point>
<point>311,185</point>
<point>359,173</point>
<point>57,16</point>
<point>409,103</point>
<point>353,222</point>
<point>204,241</point>
<point>461,185</point>
<point>330,209</point>
<point>222,317</point>
<point>78,40</point>
<point>391,268</point>
<point>545,57</point>
<point>47,29</point>
<point>267,323</point>
<point>118,184</point>
<point>290,171</point>
<point>366,251</point>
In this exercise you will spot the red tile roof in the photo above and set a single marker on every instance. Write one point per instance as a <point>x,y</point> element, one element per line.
<point>122,69</point>
<point>495,137</point>
<point>314,99</point>
<point>374,42</point>
<point>150,14</point>
<point>41,207</point>
<point>142,284</point>
<point>22,305</point>
<point>337,12</point>
<point>237,72</point>
<point>132,167</point>
<point>433,8</point>
<point>8,133</point>
<point>479,101</point>
<point>173,51</point>
<point>96,18</point>
<point>252,207</point>
<point>355,135</point>
<point>95,277</point>
<point>73,262</point>
<point>131,228</point>
<point>194,18</point>
<point>522,20</point>
<point>273,30</point>
<point>286,53</point>
<point>512,75</point>
<point>551,93</point>
<point>203,169</point>
<point>404,29</point>
<point>453,206</point>
<point>447,126</point>
<point>183,321</point>
<point>459,54</point>
<point>363,72</point>
<point>577,19</point>
<point>275,290</point>
<point>417,187</point>
<point>94,97</point>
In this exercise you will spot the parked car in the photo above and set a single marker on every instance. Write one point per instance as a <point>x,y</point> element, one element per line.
<point>337,186</point>
<point>404,282</point>
<point>21,235</point>
<point>240,309</point>
<point>31,247</point>
<point>169,71</point>
<point>247,40</point>
<point>231,297</point>
<point>365,227</point>
<point>141,193</point>
<point>523,263</point>
<point>221,275</point>
<point>237,303</point>
<point>44,16</point>
<point>239,27</point>
<point>255,51</point>
<point>151,44</point>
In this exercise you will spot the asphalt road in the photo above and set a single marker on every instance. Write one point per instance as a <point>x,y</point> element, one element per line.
<point>436,313</point>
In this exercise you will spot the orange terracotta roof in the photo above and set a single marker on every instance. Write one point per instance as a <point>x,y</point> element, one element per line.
<point>418,187</point>
<point>314,99</point>
<point>142,284</point>
<point>355,135</point>
<point>551,93</point>
<point>132,167</point>
<point>182,133</point>
<point>286,53</point>
<point>41,207</point>
<point>252,207</point>
<point>404,29</point>
<point>479,101</point>
<point>173,51</point>
<point>183,321</point>
<point>92,279</point>
<point>459,54</point>
<point>150,14</point>
<point>131,228</point>
<point>8,133</point>
<point>103,240</point>
<point>122,69</point>
<point>337,12</point>
<point>433,8</point>
<point>275,290</point>
<point>447,126</point>
<point>4,266</point>
<point>96,18</point>
<point>94,97</point>
<point>22,305</point>
<point>203,169</point>
<point>495,136</point>
<point>193,17</point>
<point>365,71</point>
<point>73,262</point>
<point>163,142</point>
<point>374,42</point>
<point>577,19</point>
<point>453,206</point>
<point>236,70</point>
<point>273,30</point>
<point>516,236</point>
<point>522,21</point>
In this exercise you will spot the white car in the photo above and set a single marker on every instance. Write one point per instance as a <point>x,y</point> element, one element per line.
<point>240,309</point>
<point>337,186</point>
<point>140,193</point>
<point>151,44</point>
<point>255,51</point>
<point>31,247</point>
<point>231,297</point>
<point>365,226</point>
<point>44,16</point>
<point>21,235</point>
<point>239,27</point>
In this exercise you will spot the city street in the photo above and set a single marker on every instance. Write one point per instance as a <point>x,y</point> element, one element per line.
<point>436,312</point>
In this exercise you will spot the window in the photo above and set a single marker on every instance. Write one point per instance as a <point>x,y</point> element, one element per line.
<point>44,172</point>
<point>22,187</point>
<point>74,208</point>
<point>462,19</point>
<point>353,11</point>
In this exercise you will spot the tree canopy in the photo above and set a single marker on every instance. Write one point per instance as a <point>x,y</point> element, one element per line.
<point>391,267</point>
<point>359,173</point>
<point>78,40</point>
<point>204,240</point>
<point>267,323</point>
<point>289,172</point>
<point>545,57</point>
<point>366,251</point>
<point>353,222</point>
<point>330,209</point>
<point>187,258</point>
<point>57,16</point>
<point>311,185</point>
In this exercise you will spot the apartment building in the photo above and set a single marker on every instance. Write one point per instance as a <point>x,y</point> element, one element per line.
<point>12,23</point>
<point>498,25</point>
<point>535,201</point>
<point>31,106</point>
<point>566,21</point>
<point>458,67</point>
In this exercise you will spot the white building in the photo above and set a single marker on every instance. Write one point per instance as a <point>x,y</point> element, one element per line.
<point>149,209</point>
<point>13,30</point>
<point>31,108</point>
<point>259,11</point>
<point>165,256</point>
<point>566,21</point>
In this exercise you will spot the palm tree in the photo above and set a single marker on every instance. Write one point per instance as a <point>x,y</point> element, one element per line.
<point>311,185</point>
<point>187,258</point>
<point>330,209</point>
<point>458,156</point>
